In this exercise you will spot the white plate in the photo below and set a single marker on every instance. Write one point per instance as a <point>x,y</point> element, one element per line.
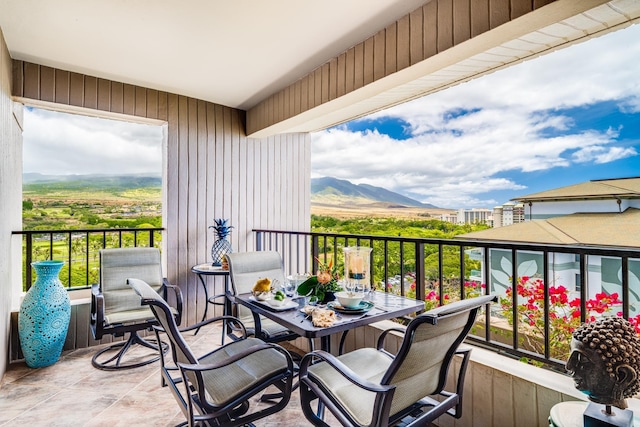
<point>288,305</point>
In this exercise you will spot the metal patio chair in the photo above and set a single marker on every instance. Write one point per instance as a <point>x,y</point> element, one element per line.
<point>218,386</point>
<point>245,268</point>
<point>371,387</point>
<point>115,308</point>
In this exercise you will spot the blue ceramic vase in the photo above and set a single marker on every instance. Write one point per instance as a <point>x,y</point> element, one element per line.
<point>43,320</point>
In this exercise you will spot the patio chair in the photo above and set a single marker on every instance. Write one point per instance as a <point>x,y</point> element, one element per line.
<point>219,385</point>
<point>371,387</point>
<point>115,308</point>
<point>245,268</point>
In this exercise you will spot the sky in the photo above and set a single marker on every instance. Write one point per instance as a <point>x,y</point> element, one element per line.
<point>560,119</point>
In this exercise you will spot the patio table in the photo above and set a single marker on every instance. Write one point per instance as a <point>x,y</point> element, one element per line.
<point>386,306</point>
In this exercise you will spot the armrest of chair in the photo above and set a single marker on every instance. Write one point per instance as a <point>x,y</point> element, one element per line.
<point>383,336</point>
<point>342,369</point>
<point>178,294</point>
<point>97,310</point>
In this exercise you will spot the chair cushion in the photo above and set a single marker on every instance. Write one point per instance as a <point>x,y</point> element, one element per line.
<point>141,314</point>
<point>367,363</point>
<point>225,383</point>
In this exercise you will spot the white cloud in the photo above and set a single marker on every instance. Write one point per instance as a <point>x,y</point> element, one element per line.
<point>59,143</point>
<point>467,139</point>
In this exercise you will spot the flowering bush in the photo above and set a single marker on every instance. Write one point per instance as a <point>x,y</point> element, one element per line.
<point>431,299</point>
<point>564,314</point>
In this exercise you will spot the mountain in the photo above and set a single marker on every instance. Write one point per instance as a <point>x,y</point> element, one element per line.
<point>330,190</point>
<point>86,182</point>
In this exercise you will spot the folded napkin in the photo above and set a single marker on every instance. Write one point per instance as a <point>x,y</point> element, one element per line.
<point>323,318</point>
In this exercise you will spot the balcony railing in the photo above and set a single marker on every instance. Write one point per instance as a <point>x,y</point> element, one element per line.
<point>557,286</point>
<point>80,249</point>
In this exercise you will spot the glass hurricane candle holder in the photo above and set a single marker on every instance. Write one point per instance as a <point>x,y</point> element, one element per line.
<point>357,270</point>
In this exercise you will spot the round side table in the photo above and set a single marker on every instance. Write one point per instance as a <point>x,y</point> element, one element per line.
<point>203,270</point>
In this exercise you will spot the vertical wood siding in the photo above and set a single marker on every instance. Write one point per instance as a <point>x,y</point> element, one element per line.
<point>212,169</point>
<point>10,194</point>
<point>425,32</point>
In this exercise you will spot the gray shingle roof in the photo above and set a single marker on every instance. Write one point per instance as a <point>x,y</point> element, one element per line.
<point>624,188</point>
<point>601,229</point>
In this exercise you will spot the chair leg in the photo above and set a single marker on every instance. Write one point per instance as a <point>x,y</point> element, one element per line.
<point>115,362</point>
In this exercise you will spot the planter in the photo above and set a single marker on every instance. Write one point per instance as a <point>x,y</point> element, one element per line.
<point>43,320</point>
<point>328,297</point>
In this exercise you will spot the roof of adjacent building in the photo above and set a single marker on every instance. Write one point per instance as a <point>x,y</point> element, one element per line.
<point>622,188</point>
<point>600,229</point>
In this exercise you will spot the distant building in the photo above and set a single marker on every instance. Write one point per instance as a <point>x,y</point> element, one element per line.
<point>469,216</point>
<point>508,214</point>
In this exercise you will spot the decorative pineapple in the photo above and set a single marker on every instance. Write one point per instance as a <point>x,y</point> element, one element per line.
<point>221,245</point>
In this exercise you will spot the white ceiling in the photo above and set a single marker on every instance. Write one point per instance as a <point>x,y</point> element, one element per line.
<point>238,52</point>
<point>230,52</point>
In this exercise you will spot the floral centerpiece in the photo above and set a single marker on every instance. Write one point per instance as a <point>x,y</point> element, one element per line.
<point>323,284</point>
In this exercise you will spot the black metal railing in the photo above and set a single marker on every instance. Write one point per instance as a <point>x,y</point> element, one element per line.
<point>79,249</point>
<point>550,281</point>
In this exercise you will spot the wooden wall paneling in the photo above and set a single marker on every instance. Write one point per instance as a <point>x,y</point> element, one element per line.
<point>182,204</point>
<point>171,178</point>
<point>525,406</point>
<point>368,61</point>
<point>546,398</point>
<point>163,113</point>
<point>324,88</point>
<point>62,87</point>
<point>479,17</point>
<point>229,187</point>
<point>333,78</point>
<point>104,95</point>
<point>90,92</point>
<point>349,70</point>
<point>341,75</point>
<point>140,108</point>
<point>117,97</point>
<point>17,71</point>
<point>430,29</point>
<point>201,230</point>
<point>219,164</point>
<point>482,400</point>
<point>502,398</point>
<point>236,168</point>
<point>32,80</point>
<point>304,93</point>
<point>499,12</point>
<point>520,7</point>
<point>379,59</point>
<point>258,201</point>
<point>76,89</point>
<point>129,100</point>
<point>358,66</point>
<point>297,97</point>
<point>403,43</point>
<point>152,103</point>
<point>47,84</point>
<point>416,26</point>
<point>391,49</point>
<point>445,24</point>
<point>317,87</point>
<point>461,21</point>
<point>247,148</point>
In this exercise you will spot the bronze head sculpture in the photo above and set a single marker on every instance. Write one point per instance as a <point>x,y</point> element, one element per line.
<point>605,361</point>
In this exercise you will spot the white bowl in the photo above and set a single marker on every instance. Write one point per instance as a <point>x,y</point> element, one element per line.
<point>262,296</point>
<point>349,299</point>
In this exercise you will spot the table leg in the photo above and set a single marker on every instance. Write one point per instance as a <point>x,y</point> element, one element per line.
<point>206,298</point>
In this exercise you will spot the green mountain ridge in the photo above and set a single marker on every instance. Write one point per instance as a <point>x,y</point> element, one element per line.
<point>333,190</point>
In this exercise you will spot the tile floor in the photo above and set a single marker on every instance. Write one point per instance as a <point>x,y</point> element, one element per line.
<point>74,393</point>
